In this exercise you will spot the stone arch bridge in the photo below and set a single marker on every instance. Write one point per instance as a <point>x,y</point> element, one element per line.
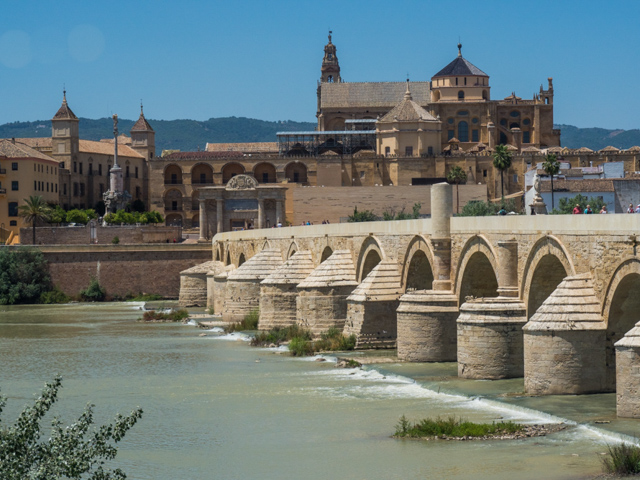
<point>552,298</point>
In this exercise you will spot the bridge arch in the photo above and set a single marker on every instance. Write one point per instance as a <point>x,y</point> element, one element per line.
<point>227,262</point>
<point>476,274</point>
<point>370,255</point>
<point>548,263</point>
<point>326,253</point>
<point>241,259</point>
<point>417,267</point>
<point>620,310</point>
<point>293,248</point>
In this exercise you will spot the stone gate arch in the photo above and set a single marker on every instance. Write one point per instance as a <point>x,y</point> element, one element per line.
<point>620,311</point>
<point>369,256</point>
<point>417,267</point>
<point>548,263</point>
<point>476,274</point>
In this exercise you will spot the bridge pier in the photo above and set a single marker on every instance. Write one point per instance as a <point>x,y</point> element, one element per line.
<point>628,374</point>
<point>322,296</point>
<point>242,293</point>
<point>193,284</point>
<point>371,308</point>
<point>279,291</point>
<point>427,326</point>
<point>565,342</point>
<point>216,289</point>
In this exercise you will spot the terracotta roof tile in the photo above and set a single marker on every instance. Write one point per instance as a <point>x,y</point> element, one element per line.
<point>578,186</point>
<point>202,155</point>
<point>141,125</point>
<point>18,150</point>
<point>249,147</point>
<point>64,112</point>
<point>371,94</point>
<point>89,146</point>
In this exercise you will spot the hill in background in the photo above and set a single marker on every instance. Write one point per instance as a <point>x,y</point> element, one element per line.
<point>190,135</point>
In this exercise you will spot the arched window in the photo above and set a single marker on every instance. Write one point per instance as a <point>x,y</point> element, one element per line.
<point>485,95</point>
<point>463,131</point>
<point>461,95</point>
<point>330,79</point>
<point>514,125</point>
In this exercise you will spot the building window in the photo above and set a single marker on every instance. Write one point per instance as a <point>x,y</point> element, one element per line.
<point>265,177</point>
<point>463,131</point>
<point>430,150</point>
<point>408,151</point>
<point>13,223</point>
<point>203,177</point>
<point>56,188</point>
<point>463,113</point>
<point>61,148</point>
<point>387,151</point>
<point>526,121</point>
<point>475,136</point>
<point>174,205</point>
<point>475,120</point>
<point>136,172</point>
<point>91,169</point>
<point>127,171</point>
<point>456,80</point>
<point>13,209</point>
<point>526,137</point>
<point>484,173</point>
<point>64,188</point>
<point>75,189</point>
<point>47,186</point>
<point>101,186</point>
<point>80,168</point>
<point>14,166</point>
<point>515,178</point>
<point>450,121</point>
<point>14,185</point>
<point>450,134</point>
<point>461,95</point>
<point>75,167</point>
<point>82,189</point>
<point>174,179</point>
<point>100,169</point>
<point>503,122</point>
<point>35,185</point>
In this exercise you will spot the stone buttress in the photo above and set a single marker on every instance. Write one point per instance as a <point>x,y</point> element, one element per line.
<point>242,293</point>
<point>490,344</point>
<point>278,292</point>
<point>322,296</point>
<point>193,284</point>
<point>564,342</point>
<point>628,374</point>
<point>216,288</point>
<point>371,308</point>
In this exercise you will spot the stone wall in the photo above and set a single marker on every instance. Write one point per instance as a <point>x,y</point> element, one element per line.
<point>127,235</point>
<point>123,269</point>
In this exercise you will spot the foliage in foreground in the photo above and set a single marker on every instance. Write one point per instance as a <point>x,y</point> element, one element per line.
<point>566,205</point>
<point>249,322</point>
<point>362,216</point>
<point>301,341</point>
<point>478,208</point>
<point>172,316</point>
<point>94,292</point>
<point>54,296</point>
<point>68,452</point>
<point>402,215</point>
<point>24,275</point>
<point>622,459</point>
<point>277,335</point>
<point>453,427</point>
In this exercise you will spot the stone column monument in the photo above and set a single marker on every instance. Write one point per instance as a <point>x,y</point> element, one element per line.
<point>115,198</point>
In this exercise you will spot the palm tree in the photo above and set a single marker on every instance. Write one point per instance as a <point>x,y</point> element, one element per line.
<point>35,210</point>
<point>457,175</point>
<point>551,166</point>
<point>502,161</point>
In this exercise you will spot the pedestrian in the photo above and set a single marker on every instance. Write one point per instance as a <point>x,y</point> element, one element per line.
<point>630,208</point>
<point>577,210</point>
<point>588,210</point>
<point>603,209</point>
<point>638,209</point>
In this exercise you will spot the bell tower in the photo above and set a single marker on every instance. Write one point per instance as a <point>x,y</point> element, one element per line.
<point>330,71</point>
<point>64,133</point>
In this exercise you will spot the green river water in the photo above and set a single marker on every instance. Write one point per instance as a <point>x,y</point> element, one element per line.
<point>217,408</point>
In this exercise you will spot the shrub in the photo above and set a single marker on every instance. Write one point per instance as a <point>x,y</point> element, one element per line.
<point>144,297</point>
<point>249,322</point>
<point>24,275</point>
<point>54,296</point>
<point>278,335</point>
<point>172,316</point>
<point>115,240</point>
<point>300,347</point>
<point>622,459</point>
<point>363,216</point>
<point>566,205</point>
<point>77,216</point>
<point>94,292</point>
<point>453,427</point>
<point>477,208</point>
<point>334,340</point>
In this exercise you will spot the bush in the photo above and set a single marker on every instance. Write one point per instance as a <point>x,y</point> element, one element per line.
<point>477,208</point>
<point>333,340</point>
<point>249,322</point>
<point>278,335</point>
<point>24,275</point>
<point>132,218</point>
<point>172,316</point>
<point>94,292</point>
<point>623,459</point>
<point>54,296</point>
<point>115,240</point>
<point>144,297</point>
<point>364,216</point>
<point>453,427</point>
<point>566,205</point>
<point>77,216</point>
<point>300,347</point>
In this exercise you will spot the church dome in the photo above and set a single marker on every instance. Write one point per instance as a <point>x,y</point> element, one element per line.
<point>460,67</point>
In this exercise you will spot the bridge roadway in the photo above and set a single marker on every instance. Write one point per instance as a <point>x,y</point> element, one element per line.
<point>545,297</point>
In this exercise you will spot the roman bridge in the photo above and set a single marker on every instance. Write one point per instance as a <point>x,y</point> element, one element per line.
<point>552,298</point>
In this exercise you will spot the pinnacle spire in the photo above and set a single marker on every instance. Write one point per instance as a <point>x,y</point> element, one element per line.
<point>407,93</point>
<point>459,49</point>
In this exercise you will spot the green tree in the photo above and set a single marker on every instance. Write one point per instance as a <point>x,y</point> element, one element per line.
<point>566,205</point>
<point>35,210</point>
<point>551,166</point>
<point>457,175</point>
<point>502,161</point>
<point>57,215</point>
<point>363,216</point>
<point>24,275</point>
<point>77,216</point>
<point>94,292</point>
<point>478,208</point>
<point>68,452</point>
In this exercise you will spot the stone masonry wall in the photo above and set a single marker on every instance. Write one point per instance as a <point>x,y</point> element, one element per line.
<point>123,269</point>
<point>127,235</point>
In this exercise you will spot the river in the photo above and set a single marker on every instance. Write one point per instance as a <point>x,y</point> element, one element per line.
<point>216,408</point>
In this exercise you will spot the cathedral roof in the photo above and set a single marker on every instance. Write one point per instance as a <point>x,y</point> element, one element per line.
<point>202,155</point>
<point>371,94</point>
<point>407,111</point>
<point>460,67</point>
<point>248,147</point>
<point>141,125</point>
<point>64,112</point>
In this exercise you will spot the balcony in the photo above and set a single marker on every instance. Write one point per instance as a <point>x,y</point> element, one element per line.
<point>3,191</point>
<point>3,171</point>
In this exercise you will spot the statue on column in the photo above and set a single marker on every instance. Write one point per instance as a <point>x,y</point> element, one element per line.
<point>116,198</point>
<point>538,207</point>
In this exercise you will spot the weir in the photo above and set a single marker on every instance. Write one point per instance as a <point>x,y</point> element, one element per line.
<point>544,297</point>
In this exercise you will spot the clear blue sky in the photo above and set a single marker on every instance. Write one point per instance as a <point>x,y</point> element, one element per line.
<point>261,59</point>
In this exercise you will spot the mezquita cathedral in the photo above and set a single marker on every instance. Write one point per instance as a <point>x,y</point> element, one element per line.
<point>368,134</point>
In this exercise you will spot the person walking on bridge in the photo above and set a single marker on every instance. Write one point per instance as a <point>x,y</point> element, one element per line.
<point>577,210</point>
<point>630,209</point>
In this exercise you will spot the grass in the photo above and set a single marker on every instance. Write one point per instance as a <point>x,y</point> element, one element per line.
<point>249,322</point>
<point>144,297</point>
<point>173,316</point>
<point>453,427</point>
<point>622,459</point>
<point>301,342</point>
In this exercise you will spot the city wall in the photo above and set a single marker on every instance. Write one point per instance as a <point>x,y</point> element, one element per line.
<point>81,235</point>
